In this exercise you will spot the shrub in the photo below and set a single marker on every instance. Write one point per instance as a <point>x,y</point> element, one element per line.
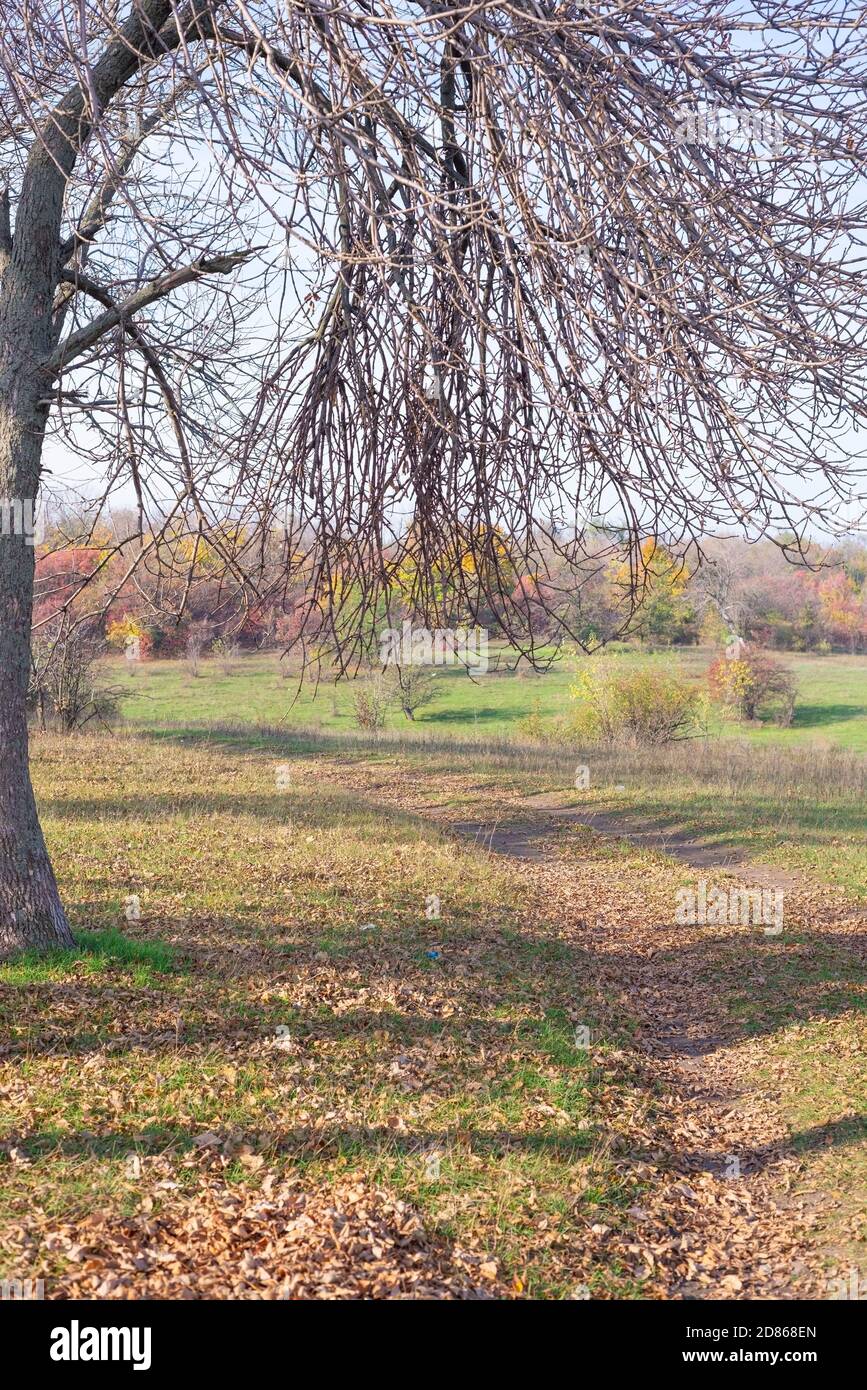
<point>534,725</point>
<point>415,687</point>
<point>64,686</point>
<point>198,637</point>
<point>634,707</point>
<point>226,652</point>
<point>754,685</point>
<point>541,728</point>
<point>370,701</point>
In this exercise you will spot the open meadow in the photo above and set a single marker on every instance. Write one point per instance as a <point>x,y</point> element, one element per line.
<point>831,707</point>
<point>795,794</point>
<point>411,1014</point>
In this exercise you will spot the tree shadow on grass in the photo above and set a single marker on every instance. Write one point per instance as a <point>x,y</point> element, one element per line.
<point>809,820</point>
<point>660,831</point>
<point>465,716</point>
<point>755,986</point>
<point>815,716</point>
<point>306,1142</point>
<point>276,807</point>
<point>847,1132</point>
<point>354,746</point>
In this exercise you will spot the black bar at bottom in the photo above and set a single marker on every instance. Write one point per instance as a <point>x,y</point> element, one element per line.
<point>191,1339</point>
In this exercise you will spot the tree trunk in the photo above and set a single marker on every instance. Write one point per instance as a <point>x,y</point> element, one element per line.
<point>31,913</point>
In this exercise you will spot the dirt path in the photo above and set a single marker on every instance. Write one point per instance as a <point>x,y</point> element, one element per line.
<point>727,1213</point>
<point>744,1113</point>
<point>545,817</point>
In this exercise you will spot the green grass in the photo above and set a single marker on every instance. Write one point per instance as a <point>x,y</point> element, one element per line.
<point>794,796</point>
<point>253,897</point>
<point>824,1065</point>
<point>95,953</point>
<point>151,1033</point>
<point>769,803</point>
<point>832,702</point>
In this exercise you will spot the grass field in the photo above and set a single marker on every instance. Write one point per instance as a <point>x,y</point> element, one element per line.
<point>793,796</point>
<point>414,1040</point>
<point>283,1018</point>
<point>832,703</point>
<point>361,1005</point>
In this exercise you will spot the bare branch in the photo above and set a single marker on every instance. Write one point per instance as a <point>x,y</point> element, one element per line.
<point>79,342</point>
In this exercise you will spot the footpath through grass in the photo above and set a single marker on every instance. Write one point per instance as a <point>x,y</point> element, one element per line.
<point>804,811</point>
<point>285,1003</point>
<point>292,982</point>
<point>796,798</point>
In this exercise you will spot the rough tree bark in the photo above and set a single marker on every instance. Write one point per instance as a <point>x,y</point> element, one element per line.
<point>31,913</point>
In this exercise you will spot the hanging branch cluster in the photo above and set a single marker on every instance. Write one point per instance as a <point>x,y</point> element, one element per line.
<point>428,285</point>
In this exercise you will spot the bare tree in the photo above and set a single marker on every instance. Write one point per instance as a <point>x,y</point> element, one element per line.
<point>414,279</point>
<point>415,688</point>
<point>716,585</point>
<point>65,682</point>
